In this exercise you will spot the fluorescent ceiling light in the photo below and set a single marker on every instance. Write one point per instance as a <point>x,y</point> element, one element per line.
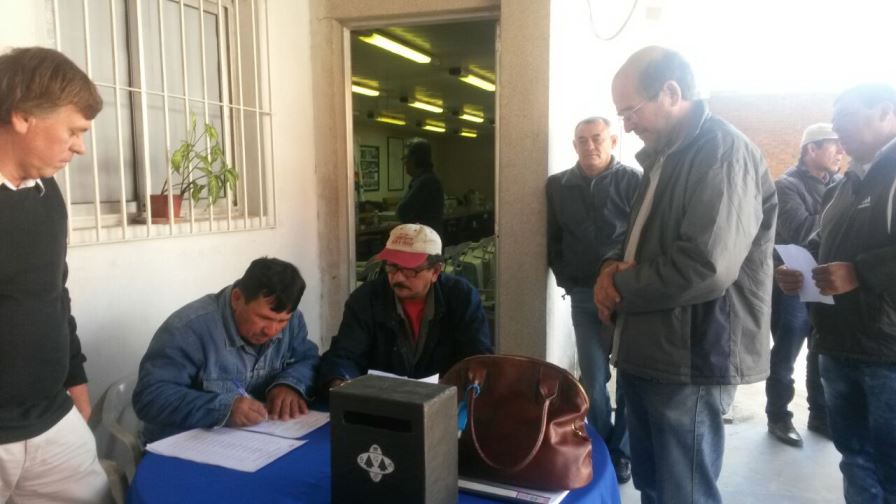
<point>426,106</point>
<point>434,126</point>
<point>478,82</point>
<point>469,133</point>
<point>466,116</point>
<point>391,120</point>
<point>364,90</point>
<point>395,47</point>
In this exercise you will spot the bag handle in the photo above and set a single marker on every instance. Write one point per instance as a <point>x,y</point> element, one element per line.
<point>548,392</point>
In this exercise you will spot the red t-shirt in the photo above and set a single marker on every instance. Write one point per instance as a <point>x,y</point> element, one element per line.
<point>413,310</point>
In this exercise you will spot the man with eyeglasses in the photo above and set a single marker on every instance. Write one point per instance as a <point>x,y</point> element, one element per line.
<point>588,209</point>
<point>414,321</point>
<point>689,291</point>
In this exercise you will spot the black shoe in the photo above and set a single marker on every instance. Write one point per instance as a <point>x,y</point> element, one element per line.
<point>785,432</point>
<point>819,425</point>
<point>623,468</point>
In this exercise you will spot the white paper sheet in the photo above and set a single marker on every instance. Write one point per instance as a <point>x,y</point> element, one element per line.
<point>295,428</point>
<point>509,492</point>
<point>231,448</point>
<point>429,379</point>
<point>798,258</point>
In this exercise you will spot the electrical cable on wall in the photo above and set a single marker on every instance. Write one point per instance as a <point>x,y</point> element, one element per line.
<point>622,27</point>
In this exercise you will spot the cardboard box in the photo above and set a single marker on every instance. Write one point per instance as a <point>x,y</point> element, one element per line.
<point>393,440</point>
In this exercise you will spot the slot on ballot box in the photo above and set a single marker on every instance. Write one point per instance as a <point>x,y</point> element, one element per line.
<point>393,440</point>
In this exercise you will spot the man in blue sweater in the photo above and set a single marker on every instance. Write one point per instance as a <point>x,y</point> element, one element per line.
<point>47,452</point>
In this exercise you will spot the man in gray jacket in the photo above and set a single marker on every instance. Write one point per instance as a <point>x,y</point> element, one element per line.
<point>799,192</point>
<point>690,289</point>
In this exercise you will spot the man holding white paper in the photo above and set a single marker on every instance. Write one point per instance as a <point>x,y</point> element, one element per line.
<point>856,248</point>
<point>799,192</point>
<point>214,360</point>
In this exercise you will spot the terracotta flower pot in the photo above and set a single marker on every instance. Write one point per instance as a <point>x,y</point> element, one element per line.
<point>158,206</point>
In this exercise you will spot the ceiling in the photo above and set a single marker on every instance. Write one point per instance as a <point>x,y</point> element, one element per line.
<point>468,45</point>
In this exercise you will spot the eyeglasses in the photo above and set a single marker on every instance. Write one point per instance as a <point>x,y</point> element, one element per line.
<point>405,272</point>
<point>628,115</point>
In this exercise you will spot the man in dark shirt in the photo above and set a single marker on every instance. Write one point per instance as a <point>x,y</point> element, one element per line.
<point>588,209</point>
<point>799,192</point>
<point>856,251</point>
<point>414,321</point>
<point>47,452</point>
<point>424,203</point>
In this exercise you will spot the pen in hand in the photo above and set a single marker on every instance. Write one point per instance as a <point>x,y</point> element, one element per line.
<point>259,410</point>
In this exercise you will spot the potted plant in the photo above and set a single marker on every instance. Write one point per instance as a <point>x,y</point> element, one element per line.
<point>198,167</point>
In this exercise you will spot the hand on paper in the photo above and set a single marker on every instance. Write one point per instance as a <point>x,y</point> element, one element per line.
<point>246,411</point>
<point>789,280</point>
<point>835,278</point>
<point>285,402</point>
<point>606,297</point>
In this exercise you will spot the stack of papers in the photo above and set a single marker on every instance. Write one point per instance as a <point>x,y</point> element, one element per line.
<point>247,449</point>
<point>509,492</point>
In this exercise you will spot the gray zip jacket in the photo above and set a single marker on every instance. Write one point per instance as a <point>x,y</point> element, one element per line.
<point>695,308</point>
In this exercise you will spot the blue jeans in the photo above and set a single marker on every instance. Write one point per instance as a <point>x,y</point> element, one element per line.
<point>677,439</point>
<point>790,327</point>
<point>592,344</point>
<point>862,416</point>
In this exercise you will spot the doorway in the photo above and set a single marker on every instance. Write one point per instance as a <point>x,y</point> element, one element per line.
<point>431,83</point>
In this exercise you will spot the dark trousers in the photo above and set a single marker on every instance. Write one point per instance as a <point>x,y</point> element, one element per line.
<point>862,416</point>
<point>790,327</point>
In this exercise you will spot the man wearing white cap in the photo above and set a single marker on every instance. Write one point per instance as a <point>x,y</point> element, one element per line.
<point>414,321</point>
<point>799,207</point>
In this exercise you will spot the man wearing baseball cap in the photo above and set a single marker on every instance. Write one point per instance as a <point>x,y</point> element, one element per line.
<point>799,207</point>
<point>414,321</point>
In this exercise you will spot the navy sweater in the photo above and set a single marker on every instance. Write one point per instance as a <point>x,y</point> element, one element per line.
<point>40,354</point>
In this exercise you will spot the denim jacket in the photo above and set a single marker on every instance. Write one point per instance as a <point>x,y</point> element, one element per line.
<point>189,375</point>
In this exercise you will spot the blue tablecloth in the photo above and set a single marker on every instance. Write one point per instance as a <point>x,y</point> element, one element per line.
<point>300,476</point>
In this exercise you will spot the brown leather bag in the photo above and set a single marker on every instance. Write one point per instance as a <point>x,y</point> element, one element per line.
<point>525,422</point>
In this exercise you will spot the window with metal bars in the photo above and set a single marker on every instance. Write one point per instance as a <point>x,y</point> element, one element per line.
<point>158,64</point>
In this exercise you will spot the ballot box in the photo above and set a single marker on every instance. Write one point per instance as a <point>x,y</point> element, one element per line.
<point>393,440</point>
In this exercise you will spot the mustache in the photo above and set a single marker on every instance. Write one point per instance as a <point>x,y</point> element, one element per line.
<point>400,284</point>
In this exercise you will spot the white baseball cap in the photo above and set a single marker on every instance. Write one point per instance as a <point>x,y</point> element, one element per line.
<point>818,131</point>
<point>410,245</point>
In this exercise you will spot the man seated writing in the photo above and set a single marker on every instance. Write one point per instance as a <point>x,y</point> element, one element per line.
<point>414,321</point>
<point>215,360</point>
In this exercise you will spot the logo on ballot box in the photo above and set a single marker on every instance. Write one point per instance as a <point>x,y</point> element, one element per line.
<point>375,463</point>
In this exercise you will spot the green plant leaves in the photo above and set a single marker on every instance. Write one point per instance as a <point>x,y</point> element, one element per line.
<point>200,166</point>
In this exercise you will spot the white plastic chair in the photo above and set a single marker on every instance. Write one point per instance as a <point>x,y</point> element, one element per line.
<point>116,429</point>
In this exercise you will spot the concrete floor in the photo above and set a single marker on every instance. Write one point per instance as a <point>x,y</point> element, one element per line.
<point>759,469</point>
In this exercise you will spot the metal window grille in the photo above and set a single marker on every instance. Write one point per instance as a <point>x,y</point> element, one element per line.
<point>158,63</point>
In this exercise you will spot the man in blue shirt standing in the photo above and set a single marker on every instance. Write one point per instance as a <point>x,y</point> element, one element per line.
<point>215,360</point>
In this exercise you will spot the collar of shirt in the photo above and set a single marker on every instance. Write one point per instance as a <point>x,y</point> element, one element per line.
<point>26,184</point>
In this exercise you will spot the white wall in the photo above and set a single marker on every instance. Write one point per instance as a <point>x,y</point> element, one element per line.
<point>581,70</point>
<point>122,292</point>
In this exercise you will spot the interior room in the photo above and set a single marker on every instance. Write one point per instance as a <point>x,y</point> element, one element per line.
<point>319,176</point>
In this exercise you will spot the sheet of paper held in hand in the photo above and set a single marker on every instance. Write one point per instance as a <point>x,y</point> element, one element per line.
<point>231,448</point>
<point>295,428</point>
<point>798,258</point>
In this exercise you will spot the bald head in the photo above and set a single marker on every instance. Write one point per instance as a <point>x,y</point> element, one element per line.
<point>651,67</point>
<point>653,92</point>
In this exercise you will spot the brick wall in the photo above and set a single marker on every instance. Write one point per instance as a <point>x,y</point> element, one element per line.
<point>775,122</point>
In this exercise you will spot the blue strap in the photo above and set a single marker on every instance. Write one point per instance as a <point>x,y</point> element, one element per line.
<point>462,409</point>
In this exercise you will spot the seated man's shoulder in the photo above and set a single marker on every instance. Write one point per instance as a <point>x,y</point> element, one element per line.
<point>206,306</point>
<point>456,285</point>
